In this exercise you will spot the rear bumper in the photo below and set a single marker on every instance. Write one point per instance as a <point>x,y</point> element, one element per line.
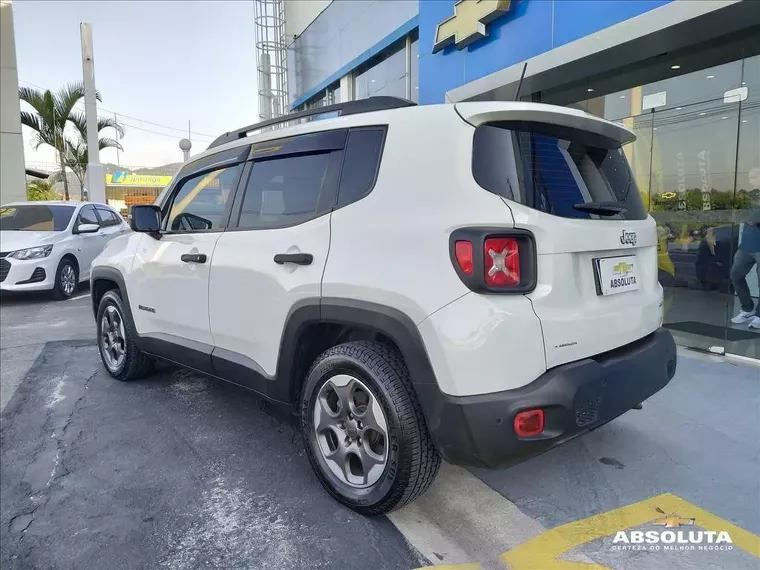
<point>576,397</point>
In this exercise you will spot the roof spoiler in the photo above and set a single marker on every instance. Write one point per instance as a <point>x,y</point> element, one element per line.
<point>477,113</point>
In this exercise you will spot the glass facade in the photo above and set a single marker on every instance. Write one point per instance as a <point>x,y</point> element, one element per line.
<point>393,72</point>
<point>327,97</point>
<point>383,75</point>
<point>414,69</point>
<point>697,165</point>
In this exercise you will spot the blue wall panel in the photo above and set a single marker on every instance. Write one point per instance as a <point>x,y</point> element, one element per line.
<point>524,32</point>
<point>530,28</point>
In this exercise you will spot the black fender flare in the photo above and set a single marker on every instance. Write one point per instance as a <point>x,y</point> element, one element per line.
<point>106,273</point>
<point>388,321</point>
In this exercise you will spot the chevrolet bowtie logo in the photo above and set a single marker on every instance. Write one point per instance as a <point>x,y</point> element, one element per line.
<point>468,22</point>
<point>622,268</point>
<point>673,521</point>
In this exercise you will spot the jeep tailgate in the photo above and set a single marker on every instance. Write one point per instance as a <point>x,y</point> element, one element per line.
<point>564,176</point>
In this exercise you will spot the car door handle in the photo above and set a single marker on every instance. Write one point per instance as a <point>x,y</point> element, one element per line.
<point>193,257</point>
<point>297,258</point>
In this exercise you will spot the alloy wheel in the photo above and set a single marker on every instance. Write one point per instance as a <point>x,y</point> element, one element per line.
<point>112,338</point>
<point>68,279</point>
<point>351,430</point>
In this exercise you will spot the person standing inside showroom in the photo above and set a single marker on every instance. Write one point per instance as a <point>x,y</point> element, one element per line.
<point>747,257</point>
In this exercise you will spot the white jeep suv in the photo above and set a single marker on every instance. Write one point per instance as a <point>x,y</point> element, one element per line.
<point>476,282</point>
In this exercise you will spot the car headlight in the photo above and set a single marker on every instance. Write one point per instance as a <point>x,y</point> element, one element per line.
<point>32,252</point>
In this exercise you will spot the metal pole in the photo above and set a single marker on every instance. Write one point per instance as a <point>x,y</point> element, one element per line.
<point>408,61</point>
<point>116,120</point>
<point>96,184</point>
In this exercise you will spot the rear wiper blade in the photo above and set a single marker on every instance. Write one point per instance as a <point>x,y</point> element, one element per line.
<point>601,208</point>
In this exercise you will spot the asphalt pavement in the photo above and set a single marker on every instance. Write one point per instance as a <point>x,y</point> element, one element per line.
<point>179,471</point>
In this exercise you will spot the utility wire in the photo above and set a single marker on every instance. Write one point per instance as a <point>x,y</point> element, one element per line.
<point>122,123</point>
<point>79,108</point>
<point>132,126</point>
<point>101,108</point>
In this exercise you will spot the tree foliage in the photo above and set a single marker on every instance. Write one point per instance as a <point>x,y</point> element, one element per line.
<point>41,190</point>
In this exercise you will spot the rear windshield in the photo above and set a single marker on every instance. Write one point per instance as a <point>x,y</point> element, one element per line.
<point>35,218</point>
<point>560,171</point>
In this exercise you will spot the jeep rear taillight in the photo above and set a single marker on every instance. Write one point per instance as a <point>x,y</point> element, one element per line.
<point>501,262</point>
<point>494,260</point>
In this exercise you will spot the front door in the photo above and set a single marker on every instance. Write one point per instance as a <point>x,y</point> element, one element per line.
<point>169,294</point>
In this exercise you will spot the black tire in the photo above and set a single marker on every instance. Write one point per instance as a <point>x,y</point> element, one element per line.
<point>59,289</point>
<point>136,363</point>
<point>412,461</point>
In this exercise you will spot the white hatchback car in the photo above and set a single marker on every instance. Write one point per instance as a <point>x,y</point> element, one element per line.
<point>50,245</point>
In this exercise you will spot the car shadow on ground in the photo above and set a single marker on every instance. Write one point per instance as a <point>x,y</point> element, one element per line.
<point>16,298</point>
<point>174,471</point>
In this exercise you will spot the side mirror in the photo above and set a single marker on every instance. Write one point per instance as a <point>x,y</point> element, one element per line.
<point>146,219</point>
<point>87,228</point>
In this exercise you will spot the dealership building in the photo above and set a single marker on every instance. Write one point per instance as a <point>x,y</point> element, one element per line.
<point>683,74</point>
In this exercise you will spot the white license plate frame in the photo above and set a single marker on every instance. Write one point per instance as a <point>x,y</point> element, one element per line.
<point>612,278</point>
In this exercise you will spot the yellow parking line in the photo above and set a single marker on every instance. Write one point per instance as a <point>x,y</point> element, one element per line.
<point>543,551</point>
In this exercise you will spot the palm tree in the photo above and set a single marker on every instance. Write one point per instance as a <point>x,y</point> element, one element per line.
<point>76,157</point>
<point>52,113</point>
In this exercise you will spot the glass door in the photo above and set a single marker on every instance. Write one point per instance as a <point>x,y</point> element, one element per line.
<point>692,199</point>
<point>746,218</point>
<point>697,164</point>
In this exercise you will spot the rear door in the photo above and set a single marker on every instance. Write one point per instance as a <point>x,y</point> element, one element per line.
<point>274,252</point>
<point>565,177</point>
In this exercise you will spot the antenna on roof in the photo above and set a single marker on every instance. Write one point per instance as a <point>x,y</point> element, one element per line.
<point>519,84</point>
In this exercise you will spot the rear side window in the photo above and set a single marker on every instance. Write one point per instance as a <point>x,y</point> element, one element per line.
<point>560,171</point>
<point>360,165</point>
<point>284,191</point>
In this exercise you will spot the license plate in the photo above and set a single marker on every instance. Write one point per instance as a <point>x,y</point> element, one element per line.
<point>616,274</point>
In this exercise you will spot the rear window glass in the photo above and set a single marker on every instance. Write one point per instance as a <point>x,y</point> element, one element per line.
<point>560,171</point>
<point>360,165</point>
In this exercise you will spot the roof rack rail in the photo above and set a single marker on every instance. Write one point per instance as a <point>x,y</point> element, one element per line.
<point>380,103</point>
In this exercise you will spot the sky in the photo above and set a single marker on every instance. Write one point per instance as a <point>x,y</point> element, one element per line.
<point>164,62</point>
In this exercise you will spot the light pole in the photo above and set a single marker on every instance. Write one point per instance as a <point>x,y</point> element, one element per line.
<point>185,145</point>
<point>96,182</point>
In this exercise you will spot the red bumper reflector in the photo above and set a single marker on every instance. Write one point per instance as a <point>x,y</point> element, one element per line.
<point>463,253</point>
<point>529,422</point>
